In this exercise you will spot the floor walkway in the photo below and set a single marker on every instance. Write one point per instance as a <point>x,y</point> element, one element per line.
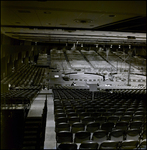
<point>50,135</point>
<point>36,110</point>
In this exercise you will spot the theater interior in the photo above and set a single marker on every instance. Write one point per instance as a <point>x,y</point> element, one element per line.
<point>73,75</point>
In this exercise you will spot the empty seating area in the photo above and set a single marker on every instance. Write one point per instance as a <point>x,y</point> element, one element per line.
<point>19,98</point>
<point>26,75</point>
<point>110,121</point>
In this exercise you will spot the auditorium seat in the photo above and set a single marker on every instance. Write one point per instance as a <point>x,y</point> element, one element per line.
<point>108,126</point>
<point>113,119</point>
<point>129,144</point>
<point>100,135</point>
<point>60,115</point>
<point>81,136</point>
<point>84,114</point>
<point>122,125</point>
<point>126,118</point>
<point>67,146</point>
<point>101,119</point>
<point>117,135</point>
<point>109,144</point>
<point>60,120</point>
<point>64,136</point>
<point>62,127</point>
<point>72,114</point>
<point>59,111</point>
<point>129,113</point>
<point>138,118</point>
<point>95,114</point>
<point>73,119</point>
<point>69,110</point>
<point>119,113</point>
<point>80,110</point>
<point>87,145</point>
<point>77,126</point>
<point>87,119</point>
<point>135,124</point>
<point>92,127</point>
<point>133,134</point>
<point>139,113</point>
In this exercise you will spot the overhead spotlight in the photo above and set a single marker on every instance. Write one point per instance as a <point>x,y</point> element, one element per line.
<point>111,46</point>
<point>96,45</point>
<point>119,46</point>
<point>81,45</point>
<point>9,85</point>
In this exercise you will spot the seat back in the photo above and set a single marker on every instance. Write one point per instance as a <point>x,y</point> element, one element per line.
<point>135,124</point>
<point>107,126</point>
<point>109,144</point>
<point>77,126</point>
<point>62,127</point>
<point>133,134</point>
<point>99,136</point>
<point>117,135</point>
<point>88,145</point>
<point>87,119</point>
<point>64,136</point>
<point>92,126</point>
<point>122,125</point>
<point>129,144</point>
<point>73,120</point>
<point>81,136</point>
<point>67,146</point>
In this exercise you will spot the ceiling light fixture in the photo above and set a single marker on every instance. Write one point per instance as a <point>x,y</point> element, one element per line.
<point>83,20</point>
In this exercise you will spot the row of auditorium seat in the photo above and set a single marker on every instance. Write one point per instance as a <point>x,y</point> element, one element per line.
<point>109,144</point>
<point>60,93</point>
<point>94,133</point>
<point>117,117</point>
<point>21,96</point>
<point>25,75</point>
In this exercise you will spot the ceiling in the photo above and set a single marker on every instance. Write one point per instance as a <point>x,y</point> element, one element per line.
<point>71,21</point>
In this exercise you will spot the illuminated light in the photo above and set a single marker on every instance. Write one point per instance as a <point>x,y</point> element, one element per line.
<point>129,46</point>
<point>22,61</point>
<point>111,46</point>
<point>56,76</point>
<point>96,45</point>
<point>81,45</point>
<point>77,42</point>
<point>119,46</point>
<point>9,85</point>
